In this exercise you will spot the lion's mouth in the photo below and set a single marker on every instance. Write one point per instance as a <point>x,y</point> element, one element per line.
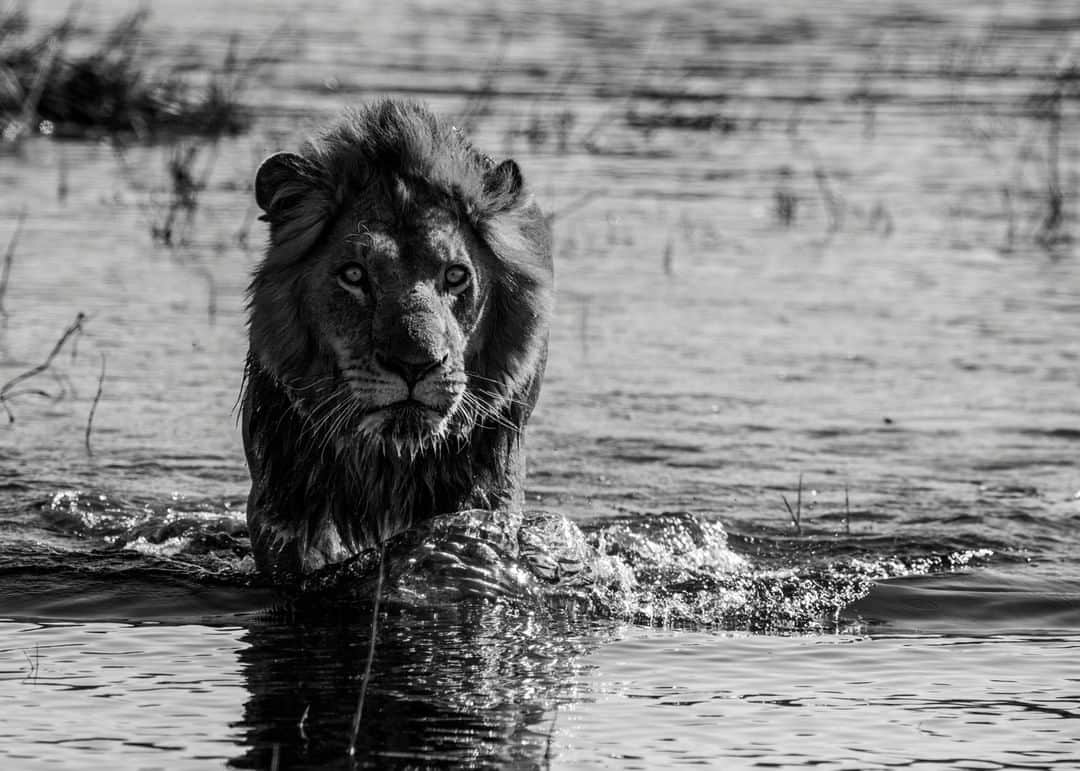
<point>411,405</point>
<point>408,426</point>
<point>410,420</point>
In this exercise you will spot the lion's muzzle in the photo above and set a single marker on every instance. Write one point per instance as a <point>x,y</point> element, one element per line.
<point>411,368</point>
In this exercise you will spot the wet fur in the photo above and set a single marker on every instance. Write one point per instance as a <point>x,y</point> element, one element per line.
<point>328,481</point>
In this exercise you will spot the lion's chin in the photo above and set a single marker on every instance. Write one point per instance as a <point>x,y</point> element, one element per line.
<point>406,428</point>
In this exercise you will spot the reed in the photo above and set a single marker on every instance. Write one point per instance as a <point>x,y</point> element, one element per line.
<point>113,88</point>
<point>9,258</point>
<point>795,513</point>
<point>1049,108</point>
<point>185,186</point>
<point>366,678</point>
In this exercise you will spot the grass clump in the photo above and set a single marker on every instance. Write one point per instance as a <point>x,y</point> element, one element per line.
<point>1048,106</point>
<point>110,89</point>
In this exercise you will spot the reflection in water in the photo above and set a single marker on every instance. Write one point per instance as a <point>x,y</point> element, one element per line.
<point>474,683</point>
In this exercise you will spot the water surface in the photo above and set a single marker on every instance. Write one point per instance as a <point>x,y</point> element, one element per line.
<point>793,243</point>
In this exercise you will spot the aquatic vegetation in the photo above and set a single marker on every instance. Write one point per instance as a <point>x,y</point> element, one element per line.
<point>114,88</point>
<point>1048,107</point>
<point>796,513</point>
<point>9,258</point>
<point>172,222</point>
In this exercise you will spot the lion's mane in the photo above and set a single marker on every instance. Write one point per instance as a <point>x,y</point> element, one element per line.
<point>314,498</point>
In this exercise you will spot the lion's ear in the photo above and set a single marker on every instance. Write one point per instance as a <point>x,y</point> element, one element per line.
<point>292,192</point>
<point>503,185</point>
<point>281,175</point>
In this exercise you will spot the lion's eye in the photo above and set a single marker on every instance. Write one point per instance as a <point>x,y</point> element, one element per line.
<point>353,275</point>
<point>457,278</point>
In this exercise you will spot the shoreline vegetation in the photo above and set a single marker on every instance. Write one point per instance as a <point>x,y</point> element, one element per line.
<point>112,87</point>
<point>70,81</point>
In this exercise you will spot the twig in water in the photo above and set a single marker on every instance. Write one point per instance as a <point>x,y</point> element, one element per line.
<point>9,257</point>
<point>34,663</point>
<point>550,736</point>
<point>371,652</point>
<point>5,390</point>
<point>303,720</point>
<point>796,513</point>
<point>847,512</point>
<point>93,407</point>
<point>211,286</point>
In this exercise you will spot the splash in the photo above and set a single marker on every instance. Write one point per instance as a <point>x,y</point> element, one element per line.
<point>670,569</point>
<point>673,569</point>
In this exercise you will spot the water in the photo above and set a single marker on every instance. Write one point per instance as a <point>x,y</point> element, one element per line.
<point>792,242</point>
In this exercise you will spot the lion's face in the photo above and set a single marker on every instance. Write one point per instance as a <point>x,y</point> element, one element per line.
<point>398,305</point>
<point>407,286</point>
<point>398,334</point>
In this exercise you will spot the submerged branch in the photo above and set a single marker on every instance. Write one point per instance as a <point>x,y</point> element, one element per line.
<point>6,390</point>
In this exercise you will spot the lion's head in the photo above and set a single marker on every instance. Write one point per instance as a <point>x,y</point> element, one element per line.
<point>405,294</point>
<point>398,332</point>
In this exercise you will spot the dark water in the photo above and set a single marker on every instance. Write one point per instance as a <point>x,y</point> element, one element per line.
<point>793,242</point>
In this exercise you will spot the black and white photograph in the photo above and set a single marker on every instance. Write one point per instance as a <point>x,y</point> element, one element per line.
<point>539,385</point>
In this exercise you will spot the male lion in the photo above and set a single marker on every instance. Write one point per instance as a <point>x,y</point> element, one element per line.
<point>398,336</point>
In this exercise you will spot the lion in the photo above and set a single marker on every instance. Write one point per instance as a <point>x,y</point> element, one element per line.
<point>398,332</point>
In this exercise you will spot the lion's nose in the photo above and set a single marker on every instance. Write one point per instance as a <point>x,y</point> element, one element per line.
<point>411,369</point>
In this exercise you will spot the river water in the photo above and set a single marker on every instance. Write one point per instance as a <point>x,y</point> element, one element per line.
<point>803,253</point>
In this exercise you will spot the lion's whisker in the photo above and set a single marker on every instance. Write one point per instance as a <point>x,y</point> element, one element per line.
<point>484,413</point>
<point>299,385</point>
<point>329,408</point>
<point>496,397</point>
